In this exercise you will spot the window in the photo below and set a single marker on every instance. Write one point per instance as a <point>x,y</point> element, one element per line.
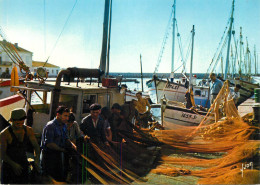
<point>57,71</point>
<point>52,71</point>
<point>197,93</point>
<point>88,100</point>
<point>69,100</point>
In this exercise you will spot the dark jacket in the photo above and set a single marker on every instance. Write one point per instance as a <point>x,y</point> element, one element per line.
<point>96,134</point>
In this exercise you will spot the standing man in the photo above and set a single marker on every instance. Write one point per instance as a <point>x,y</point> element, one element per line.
<point>54,143</point>
<point>93,125</point>
<point>143,107</point>
<point>215,88</point>
<point>14,141</point>
<point>115,121</point>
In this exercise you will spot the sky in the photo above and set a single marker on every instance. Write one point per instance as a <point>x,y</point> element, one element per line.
<point>138,27</point>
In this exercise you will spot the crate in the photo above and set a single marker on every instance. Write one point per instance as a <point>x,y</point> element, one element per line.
<point>109,82</point>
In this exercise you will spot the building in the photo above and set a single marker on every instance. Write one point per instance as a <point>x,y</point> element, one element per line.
<point>52,70</point>
<point>6,64</point>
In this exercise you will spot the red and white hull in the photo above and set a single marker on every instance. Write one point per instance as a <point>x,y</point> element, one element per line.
<point>10,103</point>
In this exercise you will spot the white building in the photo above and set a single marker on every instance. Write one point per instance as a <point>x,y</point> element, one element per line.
<point>6,62</point>
<point>52,70</point>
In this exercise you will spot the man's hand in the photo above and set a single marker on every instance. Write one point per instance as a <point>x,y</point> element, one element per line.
<point>107,144</point>
<point>86,138</point>
<point>17,168</point>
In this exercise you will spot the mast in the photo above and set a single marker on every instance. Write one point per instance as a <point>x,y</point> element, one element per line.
<point>109,36</point>
<point>141,73</point>
<point>255,60</point>
<point>103,57</point>
<point>229,39</point>
<point>241,47</point>
<point>191,58</point>
<point>173,40</point>
<point>248,56</point>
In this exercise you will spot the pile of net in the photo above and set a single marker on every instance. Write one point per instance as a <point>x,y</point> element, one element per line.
<point>120,163</point>
<point>228,138</point>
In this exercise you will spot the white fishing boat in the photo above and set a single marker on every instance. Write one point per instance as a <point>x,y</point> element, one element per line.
<point>175,90</point>
<point>175,113</point>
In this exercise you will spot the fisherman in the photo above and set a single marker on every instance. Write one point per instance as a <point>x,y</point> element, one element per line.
<point>74,132</point>
<point>93,125</point>
<point>115,121</point>
<point>55,145</point>
<point>215,88</point>
<point>14,141</point>
<point>234,92</point>
<point>105,114</point>
<point>143,107</point>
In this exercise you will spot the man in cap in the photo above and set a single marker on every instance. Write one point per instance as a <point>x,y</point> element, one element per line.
<point>93,125</point>
<point>14,141</point>
<point>55,144</point>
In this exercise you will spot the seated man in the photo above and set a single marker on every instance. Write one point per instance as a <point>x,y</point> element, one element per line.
<point>14,141</point>
<point>143,107</point>
<point>234,92</point>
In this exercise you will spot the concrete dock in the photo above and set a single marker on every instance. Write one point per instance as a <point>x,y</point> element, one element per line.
<point>246,107</point>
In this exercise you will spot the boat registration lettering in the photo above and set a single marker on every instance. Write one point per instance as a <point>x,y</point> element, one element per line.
<point>189,116</point>
<point>171,86</point>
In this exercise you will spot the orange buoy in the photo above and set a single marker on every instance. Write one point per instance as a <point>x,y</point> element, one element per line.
<point>14,79</point>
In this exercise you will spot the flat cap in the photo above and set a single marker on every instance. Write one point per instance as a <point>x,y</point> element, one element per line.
<point>18,114</point>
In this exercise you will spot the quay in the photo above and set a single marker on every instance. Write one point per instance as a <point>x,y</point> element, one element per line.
<point>246,107</point>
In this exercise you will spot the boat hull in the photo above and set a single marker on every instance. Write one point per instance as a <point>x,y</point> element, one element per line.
<point>170,90</point>
<point>10,103</point>
<point>175,115</point>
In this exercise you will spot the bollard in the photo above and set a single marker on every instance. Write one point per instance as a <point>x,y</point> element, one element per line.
<point>257,95</point>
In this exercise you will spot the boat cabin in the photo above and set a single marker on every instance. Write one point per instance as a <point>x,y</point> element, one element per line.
<point>78,96</point>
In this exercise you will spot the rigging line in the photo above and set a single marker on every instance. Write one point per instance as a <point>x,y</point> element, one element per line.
<point>185,57</point>
<point>44,22</point>
<point>2,34</point>
<point>188,53</point>
<point>236,50</point>
<point>220,43</point>
<point>220,54</point>
<point>61,32</point>
<point>9,54</point>
<point>164,43</point>
<point>179,41</point>
<point>213,59</point>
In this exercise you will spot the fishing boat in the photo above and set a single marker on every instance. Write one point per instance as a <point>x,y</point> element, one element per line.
<point>171,90</point>
<point>175,113</point>
<point>78,96</point>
